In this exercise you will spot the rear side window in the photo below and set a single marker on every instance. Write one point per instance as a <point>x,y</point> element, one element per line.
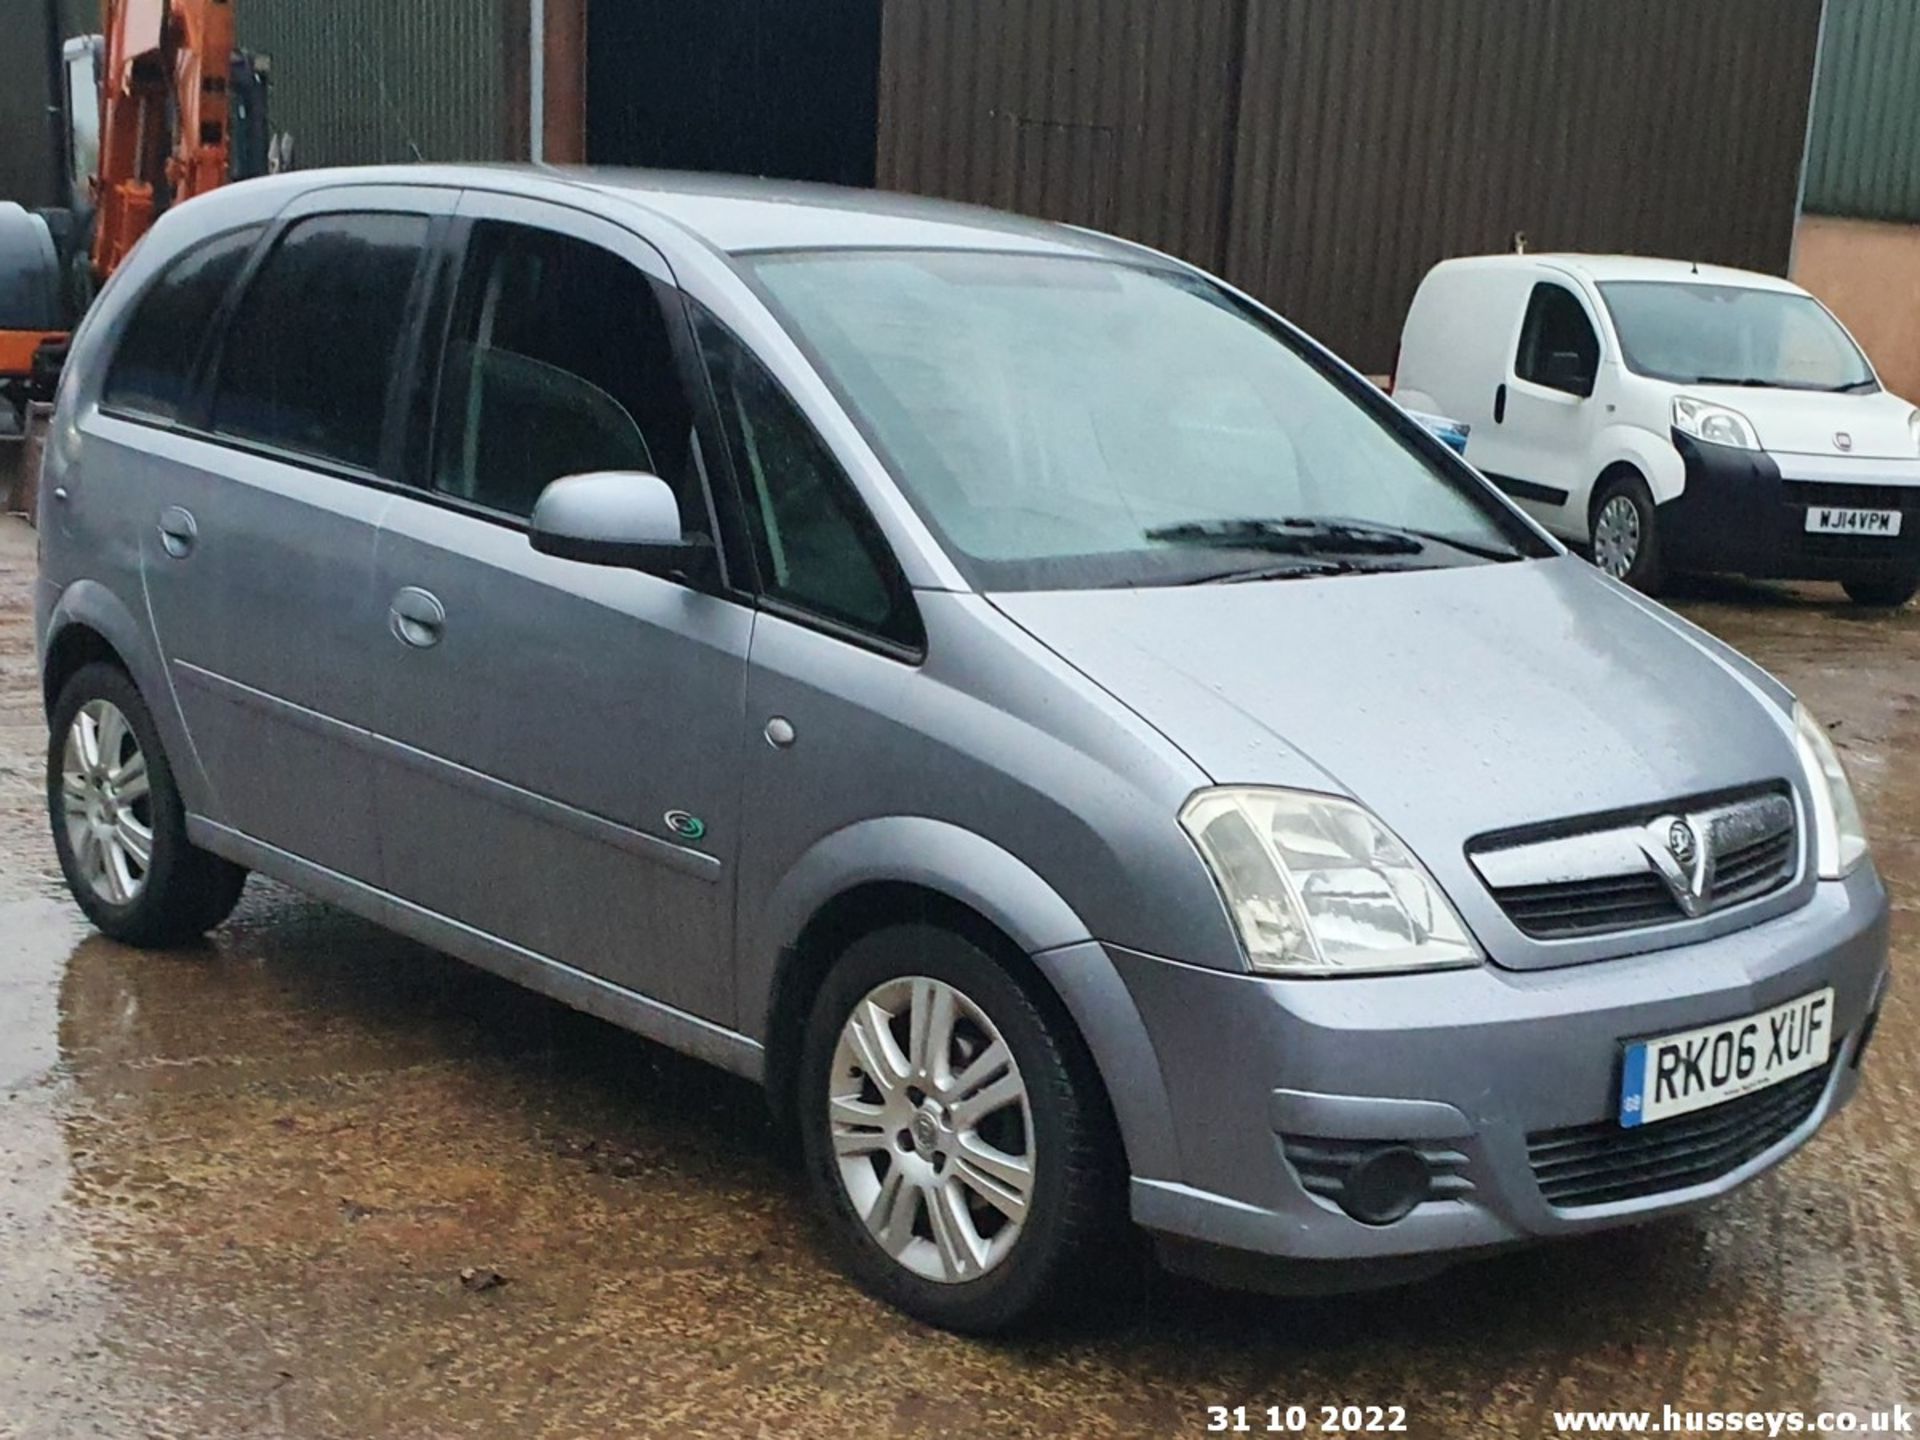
<point>152,371</point>
<point>315,340</point>
<point>1558,347</point>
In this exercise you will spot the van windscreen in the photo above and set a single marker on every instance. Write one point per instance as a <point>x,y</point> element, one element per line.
<point>1733,335</point>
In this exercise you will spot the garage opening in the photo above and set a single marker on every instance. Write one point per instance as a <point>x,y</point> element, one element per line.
<point>782,88</point>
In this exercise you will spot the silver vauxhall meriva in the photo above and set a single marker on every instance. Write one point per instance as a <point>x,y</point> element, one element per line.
<point>1070,737</point>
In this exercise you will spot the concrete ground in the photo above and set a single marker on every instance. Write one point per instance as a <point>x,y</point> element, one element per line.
<point>239,1188</point>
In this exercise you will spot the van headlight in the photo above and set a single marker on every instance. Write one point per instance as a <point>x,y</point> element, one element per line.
<point>1318,886</point>
<point>1839,837</point>
<point>1715,424</point>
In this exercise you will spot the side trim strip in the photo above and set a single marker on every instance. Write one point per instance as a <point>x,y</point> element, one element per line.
<point>690,1034</point>
<point>1527,490</point>
<point>695,863</point>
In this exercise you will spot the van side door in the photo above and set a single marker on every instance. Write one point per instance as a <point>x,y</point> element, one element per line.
<point>1545,411</point>
<point>558,760</point>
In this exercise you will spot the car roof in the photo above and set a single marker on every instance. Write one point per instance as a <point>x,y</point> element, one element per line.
<point>731,214</point>
<point>1604,269</point>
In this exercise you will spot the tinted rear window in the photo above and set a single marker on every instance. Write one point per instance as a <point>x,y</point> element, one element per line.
<point>152,371</point>
<point>315,339</point>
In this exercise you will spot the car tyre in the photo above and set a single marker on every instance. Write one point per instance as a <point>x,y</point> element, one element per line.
<point>1884,594</point>
<point>1625,533</point>
<point>1059,1130</point>
<point>119,827</point>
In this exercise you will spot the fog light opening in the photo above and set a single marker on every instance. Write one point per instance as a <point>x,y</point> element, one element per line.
<point>1386,1185</point>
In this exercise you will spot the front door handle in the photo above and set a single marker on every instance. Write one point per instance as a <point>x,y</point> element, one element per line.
<point>417,618</point>
<point>1500,404</point>
<point>178,532</point>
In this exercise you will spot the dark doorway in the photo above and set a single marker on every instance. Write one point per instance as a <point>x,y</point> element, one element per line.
<point>785,88</point>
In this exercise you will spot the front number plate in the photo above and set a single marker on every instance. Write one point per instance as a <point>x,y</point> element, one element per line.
<point>1678,1074</point>
<point>1825,520</point>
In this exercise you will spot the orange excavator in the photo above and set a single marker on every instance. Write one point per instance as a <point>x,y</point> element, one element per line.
<point>164,74</point>
<point>164,135</point>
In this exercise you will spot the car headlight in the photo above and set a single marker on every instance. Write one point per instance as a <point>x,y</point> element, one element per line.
<point>1839,837</point>
<point>1318,886</point>
<point>1715,424</point>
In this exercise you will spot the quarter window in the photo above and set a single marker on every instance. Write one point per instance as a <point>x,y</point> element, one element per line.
<point>1558,346</point>
<point>152,373</point>
<point>312,348</point>
<point>816,544</point>
<point>559,362</point>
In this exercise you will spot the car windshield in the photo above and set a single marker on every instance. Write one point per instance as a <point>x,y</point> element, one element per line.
<point>1063,423</point>
<point>1734,335</point>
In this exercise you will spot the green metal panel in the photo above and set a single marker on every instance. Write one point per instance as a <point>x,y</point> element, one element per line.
<point>1864,155</point>
<point>365,81</point>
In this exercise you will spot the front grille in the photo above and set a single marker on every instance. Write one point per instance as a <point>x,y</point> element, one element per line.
<point>1849,496</point>
<point>1603,1164</point>
<point>1601,878</point>
<point>1589,907</point>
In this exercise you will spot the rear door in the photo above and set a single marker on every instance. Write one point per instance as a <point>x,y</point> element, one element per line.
<point>257,546</point>
<point>559,741</point>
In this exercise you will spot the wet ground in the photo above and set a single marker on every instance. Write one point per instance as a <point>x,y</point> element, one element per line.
<point>240,1186</point>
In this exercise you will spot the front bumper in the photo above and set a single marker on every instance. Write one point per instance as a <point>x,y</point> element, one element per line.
<point>1469,1061</point>
<point>1745,512</point>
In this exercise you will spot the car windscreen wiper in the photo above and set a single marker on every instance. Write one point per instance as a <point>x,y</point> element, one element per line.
<point>1291,535</point>
<point>1296,535</point>
<point>1743,382</point>
<point>1301,569</point>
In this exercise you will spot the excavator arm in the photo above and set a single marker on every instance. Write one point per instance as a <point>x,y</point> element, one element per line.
<point>164,121</point>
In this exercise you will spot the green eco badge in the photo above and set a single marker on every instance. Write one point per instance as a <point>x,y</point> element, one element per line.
<point>687,827</point>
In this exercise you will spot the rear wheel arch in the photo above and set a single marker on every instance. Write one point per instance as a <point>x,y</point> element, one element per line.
<point>74,646</point>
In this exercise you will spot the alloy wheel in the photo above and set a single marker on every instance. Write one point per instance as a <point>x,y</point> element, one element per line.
<point>106,802</point>
<point>932,1129</point>
<point>1616,536</point>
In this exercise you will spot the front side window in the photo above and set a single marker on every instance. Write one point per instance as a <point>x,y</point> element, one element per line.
<point>153,367</point>
<point>816,545</point>
<point>1063,422</point>
<point>315,341</point>
<point>1558,346</point>
<point>558,363</point>
<point>1733,335</point>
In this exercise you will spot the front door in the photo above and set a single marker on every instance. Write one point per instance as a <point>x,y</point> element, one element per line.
<point>1537,448</point>
<point>261,514</point>
<point>558,759</point>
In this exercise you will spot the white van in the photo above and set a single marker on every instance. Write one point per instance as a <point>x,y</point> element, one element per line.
<point>1670,416</point>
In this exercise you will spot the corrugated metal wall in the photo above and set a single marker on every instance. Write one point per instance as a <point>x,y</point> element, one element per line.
<point>1864,156</point>
<point>27,171</point>
<point>1111,113</point>
<point>361,81</point>
<point>1324,153</point>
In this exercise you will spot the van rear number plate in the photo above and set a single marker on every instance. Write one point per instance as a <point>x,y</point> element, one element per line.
<point>1825,520</point>
<point>1678,1074</point>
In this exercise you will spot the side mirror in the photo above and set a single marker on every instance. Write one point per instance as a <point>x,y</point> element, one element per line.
<point>626,519</point>
<point>1564,370</point>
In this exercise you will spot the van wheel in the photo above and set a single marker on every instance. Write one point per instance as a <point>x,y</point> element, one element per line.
<point>954,1137</point>
<point>118,825</point>
<point>1625,531</point>
<point>1886,594</point>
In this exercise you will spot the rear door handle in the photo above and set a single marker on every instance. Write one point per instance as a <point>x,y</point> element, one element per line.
<point>178,532</point>
<point>417,618</point>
